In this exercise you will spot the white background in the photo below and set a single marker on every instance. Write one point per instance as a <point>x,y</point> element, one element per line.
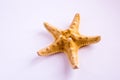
<point>22,34</point>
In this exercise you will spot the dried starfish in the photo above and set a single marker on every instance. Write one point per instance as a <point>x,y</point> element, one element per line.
<point>68,41</point>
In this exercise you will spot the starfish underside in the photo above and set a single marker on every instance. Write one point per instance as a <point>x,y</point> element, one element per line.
<point>68,41</point>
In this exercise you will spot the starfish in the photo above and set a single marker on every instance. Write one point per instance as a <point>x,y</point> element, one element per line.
<point>68,41</point>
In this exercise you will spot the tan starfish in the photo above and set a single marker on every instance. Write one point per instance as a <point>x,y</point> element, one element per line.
<point>68,41</point>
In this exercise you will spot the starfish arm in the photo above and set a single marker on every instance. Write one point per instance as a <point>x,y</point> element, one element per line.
<point>54,31</point>
<point>73,59</point>
<point>93,39</point>
<point>84,40</point>
<point>51,49</point>
<point>75,23</point>
<point>71,51</point>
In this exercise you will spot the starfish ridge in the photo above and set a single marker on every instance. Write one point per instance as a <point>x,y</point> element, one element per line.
<point>68,41</point>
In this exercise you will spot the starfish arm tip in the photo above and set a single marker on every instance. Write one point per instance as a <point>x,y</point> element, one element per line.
<point>45,24</point>
<point>38,53</point>
<point>98,38</point>
<point>77,14</point>
<point>42,52</point>
<point>75,66</point>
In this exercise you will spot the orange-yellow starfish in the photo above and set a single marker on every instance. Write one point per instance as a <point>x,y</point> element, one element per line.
<point>68,41</point>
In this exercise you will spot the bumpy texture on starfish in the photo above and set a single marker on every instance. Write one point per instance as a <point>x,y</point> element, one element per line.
<point>68,41</point>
